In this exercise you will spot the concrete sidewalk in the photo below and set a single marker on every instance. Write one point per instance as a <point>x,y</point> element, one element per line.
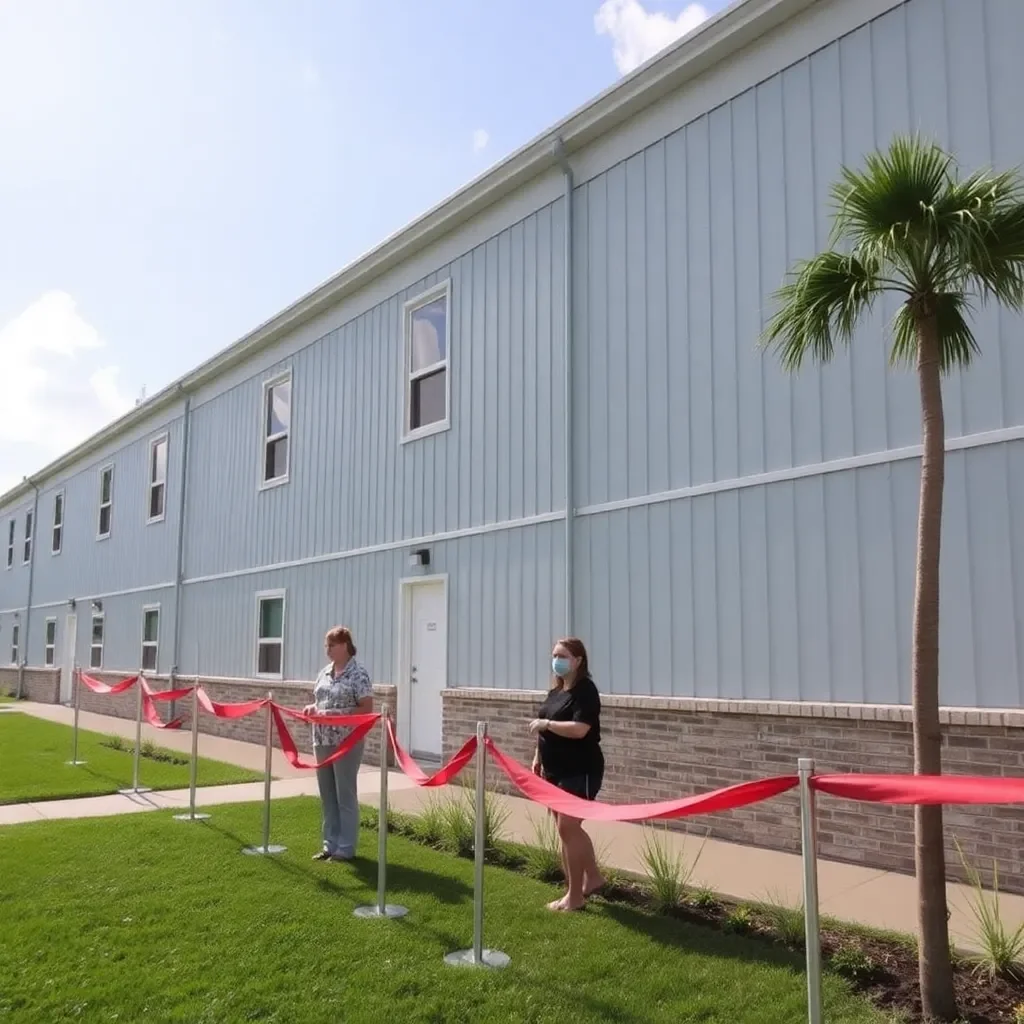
<point>880,899</point>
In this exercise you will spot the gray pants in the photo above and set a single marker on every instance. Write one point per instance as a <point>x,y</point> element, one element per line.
<point>339,800</point>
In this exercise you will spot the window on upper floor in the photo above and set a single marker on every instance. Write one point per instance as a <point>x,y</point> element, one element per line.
<point>277,420</point>
<point>50,646</point>
<point>106,503</point>
<point>157,479</point>
<point>427,370</point>
<point>270,634</point>
<point>15,636</point>
<point>26,555</point>
<point>150,637</point>
<point>57,539</point>
<point>10,543</point>
<point>96,641</point>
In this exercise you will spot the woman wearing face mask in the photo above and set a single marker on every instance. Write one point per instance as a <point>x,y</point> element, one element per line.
<point>569,755</point>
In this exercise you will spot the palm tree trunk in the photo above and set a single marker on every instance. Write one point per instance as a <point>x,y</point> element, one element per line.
<point>935,965</point>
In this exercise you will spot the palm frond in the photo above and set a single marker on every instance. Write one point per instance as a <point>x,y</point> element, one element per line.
<point>820,304</point>
<point>957,344</point>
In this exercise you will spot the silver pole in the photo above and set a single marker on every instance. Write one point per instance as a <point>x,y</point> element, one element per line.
<point>135,787</point>
<point>383,908</point>
<point>76,682</point>
<point>266,848</point>
<point>194,767</point>
<point>812,933</point>
<point>478,956</point>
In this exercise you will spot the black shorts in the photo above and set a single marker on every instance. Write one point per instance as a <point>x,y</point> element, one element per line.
<point>585,786</point>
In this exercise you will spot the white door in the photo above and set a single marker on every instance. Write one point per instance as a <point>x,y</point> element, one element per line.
<point>67,664</point>
<point>428,666</point>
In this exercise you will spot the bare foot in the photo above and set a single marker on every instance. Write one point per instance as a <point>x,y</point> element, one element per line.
<point>590,889</point>
<point>558,904</point>
<point>567,906</point>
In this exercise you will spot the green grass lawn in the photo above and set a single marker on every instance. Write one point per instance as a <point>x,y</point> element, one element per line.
<point>142,918</point>
<point>33,753</point>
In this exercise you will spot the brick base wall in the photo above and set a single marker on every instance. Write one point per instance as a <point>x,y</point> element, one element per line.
<point>39,684</point>
<point>252,728</point>
<point>657,749</point>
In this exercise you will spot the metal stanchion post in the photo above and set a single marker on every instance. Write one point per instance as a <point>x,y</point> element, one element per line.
<point>76,681</point>
<point>478,956</point>
<point>812,932</point>
<point>194,769</point>
<point>135,787</point>
<point>266,848</point>
<point>382,908</point>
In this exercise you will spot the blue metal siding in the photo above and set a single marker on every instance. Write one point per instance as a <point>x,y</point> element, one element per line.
<point>352,484</point>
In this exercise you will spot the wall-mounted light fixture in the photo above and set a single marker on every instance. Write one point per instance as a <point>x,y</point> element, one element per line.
<point>97,606</point>
<point>17,615</point>
<point>419,558</point>
<point>71,603</point>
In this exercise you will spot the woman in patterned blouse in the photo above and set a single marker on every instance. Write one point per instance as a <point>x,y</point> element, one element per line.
<point>342,688</point>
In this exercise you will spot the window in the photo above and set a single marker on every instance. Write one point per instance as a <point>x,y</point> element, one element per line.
<point>57,541</point>
<point>50,650</point>
<point>270,634</point>
<point>15,631</point>
<point>426,362</point>
<point>10,544</point>
<point>96,643</point>
<point>157,479</point>
<point>150,638</point>
<point>106,502</point>
<point>277,418</point>
<point>27,553</point>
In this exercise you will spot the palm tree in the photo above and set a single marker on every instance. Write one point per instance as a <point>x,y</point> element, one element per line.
<point>907,223</point>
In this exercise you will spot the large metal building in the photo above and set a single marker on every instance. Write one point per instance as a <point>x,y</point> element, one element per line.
<point>398,449</point>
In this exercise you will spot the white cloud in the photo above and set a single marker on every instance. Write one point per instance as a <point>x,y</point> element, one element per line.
<point>480,140</point>
<point>638,34</point>
<point>58,389</point>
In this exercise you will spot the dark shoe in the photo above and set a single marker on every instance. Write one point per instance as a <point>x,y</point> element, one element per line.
<point>339,857</point>
<point>322,855</point>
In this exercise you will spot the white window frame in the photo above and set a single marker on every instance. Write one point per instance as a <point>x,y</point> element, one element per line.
<point>408,433</point>
<point>15,642</point>
<point>57,529</point>
<point>12,529</point>
<point>49,650</point>
<point>150,519</point>
<point>261,596</point>
<point>30,532</point>
<point>155,644</point>
<point>103,641</point>
<point>100,535</point>
<point>266,439</point>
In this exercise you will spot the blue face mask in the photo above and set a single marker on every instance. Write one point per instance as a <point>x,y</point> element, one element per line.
<point>561,667</point>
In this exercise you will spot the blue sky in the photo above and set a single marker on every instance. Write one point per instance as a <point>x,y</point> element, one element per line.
<point>174,172</point>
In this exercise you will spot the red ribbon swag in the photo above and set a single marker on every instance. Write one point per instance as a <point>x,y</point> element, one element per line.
<point>361,724</point>
<point>922,789</point>
<point>149,711</point>
<point>97,687</point>
<point>443,775</point>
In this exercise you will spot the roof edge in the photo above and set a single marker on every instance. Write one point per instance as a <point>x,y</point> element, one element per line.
<point>715,39</point>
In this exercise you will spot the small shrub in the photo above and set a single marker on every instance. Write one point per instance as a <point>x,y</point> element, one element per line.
<point>149,749</point>
<point>739,920</point>
<point>704,898</point>
<point>544,856</point>
<point>668,873</point>
<point>458,817</point>
<point>429,826</point>
<point>854,965</point>
<point>784,921</point>
<point>1002,950</point>
<point>114,743</point>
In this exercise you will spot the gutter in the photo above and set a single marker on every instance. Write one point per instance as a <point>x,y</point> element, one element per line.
<point>567,306</point>
<point>179,572</point>
<point>31,578</point>
<point>714,41</point>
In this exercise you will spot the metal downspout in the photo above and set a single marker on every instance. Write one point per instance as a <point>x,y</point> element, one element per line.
<point>567,302</point>
<point>180,563</point>
<point>31,578</point>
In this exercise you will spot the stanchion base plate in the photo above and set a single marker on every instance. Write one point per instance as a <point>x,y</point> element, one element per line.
<point>390,910</point>
<point>191,817</point>
<point>467,958</point>
<point>76,763</point>
<point>135,792</point>
<point>262,851</point>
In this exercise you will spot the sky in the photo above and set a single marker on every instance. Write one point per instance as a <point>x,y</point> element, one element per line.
<point>175,172</point>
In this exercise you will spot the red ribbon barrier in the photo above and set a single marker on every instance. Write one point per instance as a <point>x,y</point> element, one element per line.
<point>149,711</point>
<point>326,718</point>
<point>443,775</point>
<point>921,789</point>
<point>291,752</point>
<point>239,710</point>
<point>165,694</point>
<point>97,687</point>
<point>542,792</point>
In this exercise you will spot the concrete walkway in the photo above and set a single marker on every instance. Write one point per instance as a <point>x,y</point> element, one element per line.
<point>880,899</point>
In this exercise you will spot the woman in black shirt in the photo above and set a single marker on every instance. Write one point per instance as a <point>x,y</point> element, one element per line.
<point>568,755</point>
